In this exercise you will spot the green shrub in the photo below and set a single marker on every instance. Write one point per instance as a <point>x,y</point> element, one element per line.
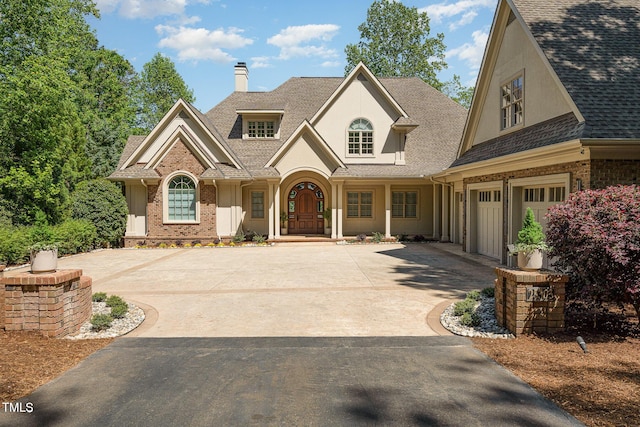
<point>14,244</point>
<point>99,297</point>
<point>119,310</point>
<point>470,319</point>
<point>473,295</point>
<point>114,300</point>
<point>239,237</point>
<point>377,236</point>
<point>488,292</point>
<point>75,236</point>
<point>259,238</point>
<point>101,322</point>
<point>102,203</point>
<point>462,307</point>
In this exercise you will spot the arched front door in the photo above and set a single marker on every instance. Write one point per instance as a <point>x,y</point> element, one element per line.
<point>305,206</point>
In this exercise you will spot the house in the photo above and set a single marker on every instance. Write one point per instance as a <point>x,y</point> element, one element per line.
<point>556,110</point>
<point>363,148</point>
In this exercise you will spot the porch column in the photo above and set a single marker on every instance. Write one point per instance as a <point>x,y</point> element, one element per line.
<point>277,210</point>
<point>445,214</point>
<point>336,210</point>
<point>387,210</point>
<point>436,212</point>
<point>273,213</point>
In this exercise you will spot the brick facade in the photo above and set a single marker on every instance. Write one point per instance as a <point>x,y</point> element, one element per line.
<point>528,302</point>
<point>605,173</point>
<point>179,158</point>
<point>56,304</point>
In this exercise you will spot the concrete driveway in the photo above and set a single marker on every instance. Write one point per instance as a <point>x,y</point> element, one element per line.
<point>300,290</point>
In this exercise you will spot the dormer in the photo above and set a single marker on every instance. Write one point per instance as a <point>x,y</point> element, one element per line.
<point>260,123</point>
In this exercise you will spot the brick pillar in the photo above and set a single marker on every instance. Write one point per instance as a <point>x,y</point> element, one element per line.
<point>56,304</point>
<point>528,302</point>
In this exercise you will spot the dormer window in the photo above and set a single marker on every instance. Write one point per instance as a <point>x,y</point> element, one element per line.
<point>261,129</point>
<point>360,138</point>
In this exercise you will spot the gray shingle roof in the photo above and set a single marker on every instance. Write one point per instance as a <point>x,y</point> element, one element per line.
<point>593,46</point>
<point>429,148</point>
<point>556,130</point>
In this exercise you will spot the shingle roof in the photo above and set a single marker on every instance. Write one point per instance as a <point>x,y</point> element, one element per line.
<point>556,130</point>
<point>593,46</point>
<point>429,148</point>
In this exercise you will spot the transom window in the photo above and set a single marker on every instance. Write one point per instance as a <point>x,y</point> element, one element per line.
<point>544,194</point>
<point>360,204</point>
<point>261,129</point>
<point>360,138</point>
<point>181,199</point>
<point>512,103</point>
<point>404,204</point>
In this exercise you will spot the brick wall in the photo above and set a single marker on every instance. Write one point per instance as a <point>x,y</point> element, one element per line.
<point>180,158</point>
<point>605,173</point>
<point>56,304</point>
<point>528,302</point>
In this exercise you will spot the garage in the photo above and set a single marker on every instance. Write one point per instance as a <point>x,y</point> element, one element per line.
<point>485,220</point>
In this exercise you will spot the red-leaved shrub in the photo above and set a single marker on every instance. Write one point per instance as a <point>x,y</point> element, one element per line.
<point>595,236</point>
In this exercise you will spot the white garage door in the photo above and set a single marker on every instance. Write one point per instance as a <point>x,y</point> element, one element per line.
<point>489,226</point>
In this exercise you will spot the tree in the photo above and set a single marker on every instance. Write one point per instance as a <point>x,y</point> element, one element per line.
<point>459,93</point>
<point>159,87</point>
<point>395,42</point>
<point>595,236</point>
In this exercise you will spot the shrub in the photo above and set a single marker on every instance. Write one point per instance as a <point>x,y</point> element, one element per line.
<point>419,238</point>
<point>102,203</point>
<point>378,237</point>
<point>473,295</point>
<point>98,297</point>
<point>595,237</point>
<point>14,244</point>
<point>488,292</point>
<point>465,306</point>
<point>74,236</point>
<point>259,238</point>
<point>101,322</point>
<point>471,319</point>
<point>239,237</point>
<point>114,300</point>
<point>530,236</point>
<point>119,310</point>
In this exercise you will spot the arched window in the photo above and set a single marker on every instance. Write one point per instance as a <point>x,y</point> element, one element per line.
<point>360,138</point>
<point>181,198</point>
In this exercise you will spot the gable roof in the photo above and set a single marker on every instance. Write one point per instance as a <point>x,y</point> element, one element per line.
<point>593,47</point>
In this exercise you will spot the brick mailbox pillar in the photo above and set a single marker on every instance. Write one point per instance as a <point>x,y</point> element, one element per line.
<point>528,302</point>
<point>56,304</point>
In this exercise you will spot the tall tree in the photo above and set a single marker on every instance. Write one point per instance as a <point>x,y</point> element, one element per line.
<point>395,42</point>
<point>459,93</point>
<point>159,87</point>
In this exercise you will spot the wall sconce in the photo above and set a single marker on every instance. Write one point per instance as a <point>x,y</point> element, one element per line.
<point>579,184</point>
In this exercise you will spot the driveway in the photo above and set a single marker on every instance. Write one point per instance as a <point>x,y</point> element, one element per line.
<point>301,290</point>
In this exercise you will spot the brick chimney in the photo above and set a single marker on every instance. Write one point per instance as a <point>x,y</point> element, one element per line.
<point>242,77</point>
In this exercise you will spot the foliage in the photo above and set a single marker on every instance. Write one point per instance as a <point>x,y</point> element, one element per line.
<point>239,237</point>
<point>283,219</point>
<point>473,295</point>
<point>395,41</point>
<point>75,236</point>
<point>159,86</point>
<point>101,322</point>
<point>466,309</point>
<point>14,244</point>
<point>470,319</point>
<point>530,236</point>
<point>488,292</point>
<point>259,238</point>
<point>98,297</point>
<point>102,203</point>
<point>595,236</point>
<point>118,311</point>
<point>114,300</point>
<point>326,214</point>
<point>377,236</point>
<point>465,306</point>
<point>455,90</point>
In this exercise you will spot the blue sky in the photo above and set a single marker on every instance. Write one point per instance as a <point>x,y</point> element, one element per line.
<point>278,39</point>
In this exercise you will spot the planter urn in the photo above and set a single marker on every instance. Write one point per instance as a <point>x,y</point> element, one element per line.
<point>44,261</point>
<point>530,261</point>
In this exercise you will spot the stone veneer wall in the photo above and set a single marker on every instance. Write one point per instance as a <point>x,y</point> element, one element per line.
<point>528,302</point>
<point>56,304</point>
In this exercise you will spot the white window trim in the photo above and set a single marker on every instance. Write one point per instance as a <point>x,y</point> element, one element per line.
<point>246,118</point>
<point>373,143</point>
<point>165,198</point>
<point>508,129</point>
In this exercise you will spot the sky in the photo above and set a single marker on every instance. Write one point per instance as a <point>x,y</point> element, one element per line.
<point>278,39</point>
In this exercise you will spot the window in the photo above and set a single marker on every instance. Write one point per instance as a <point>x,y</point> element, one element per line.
<point>261,129</point>
<point>360,138</point>
<point>484,196</point>
<point>534,195</point>
<point>556,194</point>
<point>257,204</point>
<point>181,199</point>
<point>360,205</point>
<point>404,204</point>
<point>512,103</point>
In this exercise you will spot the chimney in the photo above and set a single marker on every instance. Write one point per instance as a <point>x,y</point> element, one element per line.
<point>242,77</point>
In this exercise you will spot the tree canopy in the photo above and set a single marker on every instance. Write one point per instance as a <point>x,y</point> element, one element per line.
<point>396,41</point>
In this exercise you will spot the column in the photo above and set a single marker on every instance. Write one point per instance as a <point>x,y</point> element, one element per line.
<point>445,214</point>
<point>387,210</point>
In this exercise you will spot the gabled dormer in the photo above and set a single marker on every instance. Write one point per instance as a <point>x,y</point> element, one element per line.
<point>260,123</point>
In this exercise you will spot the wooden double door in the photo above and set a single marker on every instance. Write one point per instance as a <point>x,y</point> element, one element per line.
<point>305,205</point>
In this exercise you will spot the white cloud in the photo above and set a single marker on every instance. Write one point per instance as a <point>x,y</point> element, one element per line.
<point>260,62</point>
<point>330,64</point>
<point>133,9</point>
<point>467,8</point>
<point>305,41</point>
<point>195,44</point>
<point>471,53</point>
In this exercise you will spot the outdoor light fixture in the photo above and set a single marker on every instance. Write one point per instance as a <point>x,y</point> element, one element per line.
<point>583,345</point>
